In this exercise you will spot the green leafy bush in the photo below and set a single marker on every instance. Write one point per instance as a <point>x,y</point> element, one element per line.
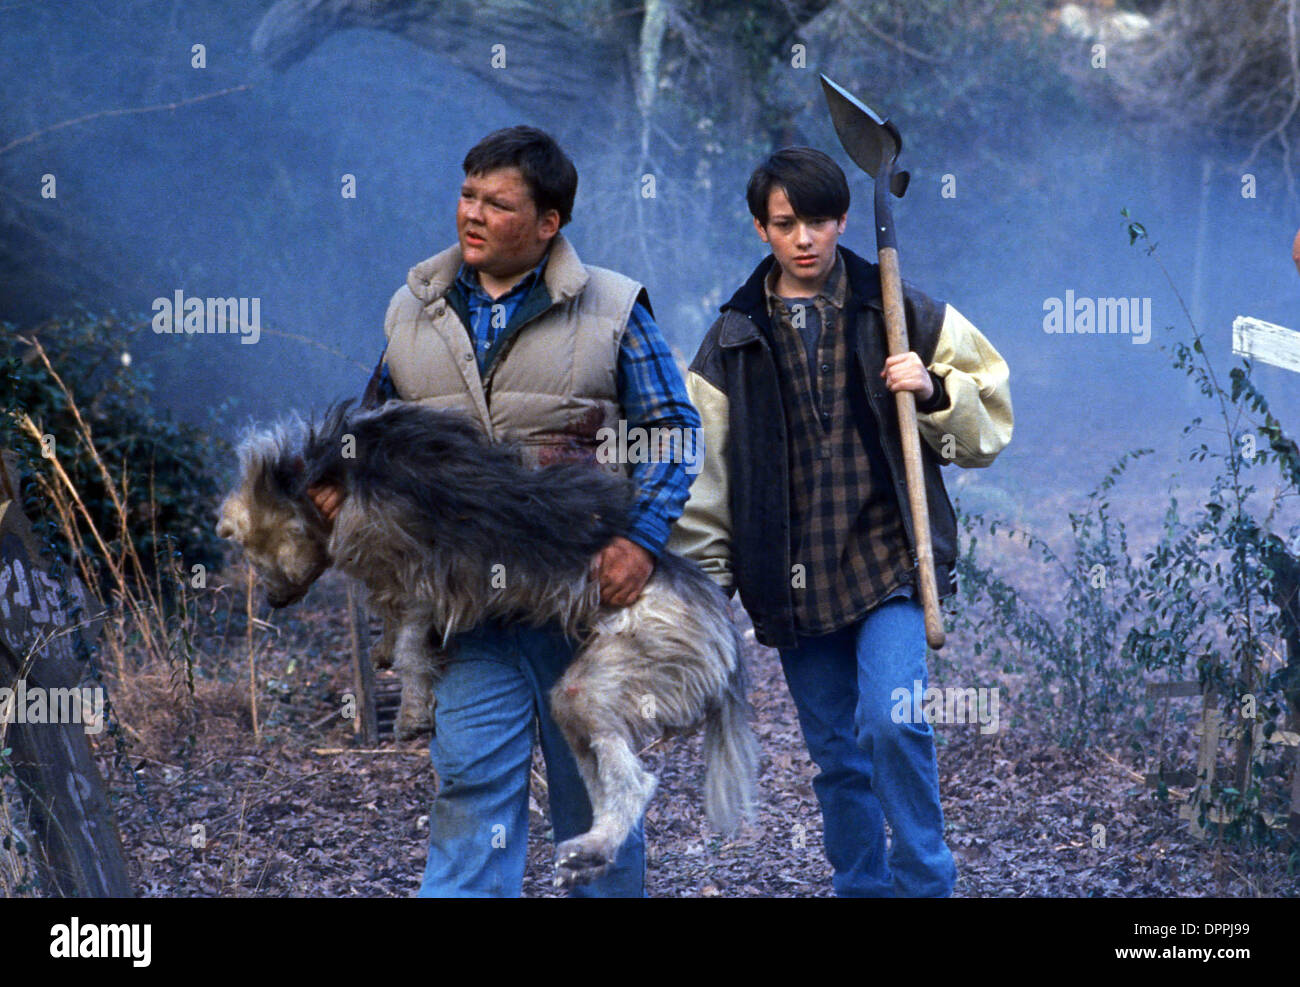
<point>1218,592</point>
<point>161,468</point>
<point>1214,598</point>
<point>1077,683</point>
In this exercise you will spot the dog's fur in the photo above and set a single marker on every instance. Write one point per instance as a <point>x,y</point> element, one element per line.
<point>446,529</point>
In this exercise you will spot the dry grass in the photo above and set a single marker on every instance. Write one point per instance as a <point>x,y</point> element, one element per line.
<point>160,716</point>
<point>155,621</point>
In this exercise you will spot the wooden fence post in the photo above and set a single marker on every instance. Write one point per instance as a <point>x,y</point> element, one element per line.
<point>79,851</point>
<point>363,671</point>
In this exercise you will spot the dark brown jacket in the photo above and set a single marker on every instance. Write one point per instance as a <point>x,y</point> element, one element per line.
<point>737,521</point>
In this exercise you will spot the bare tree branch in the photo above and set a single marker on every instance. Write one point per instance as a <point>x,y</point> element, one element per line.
<point>63,124</point>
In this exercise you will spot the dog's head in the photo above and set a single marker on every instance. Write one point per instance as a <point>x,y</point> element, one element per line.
<point>270,517</point>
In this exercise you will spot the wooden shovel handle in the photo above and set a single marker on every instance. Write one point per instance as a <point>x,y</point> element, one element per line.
<point>891,287</point>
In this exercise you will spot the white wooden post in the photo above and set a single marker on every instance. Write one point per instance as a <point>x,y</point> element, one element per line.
<point>1260,340</point>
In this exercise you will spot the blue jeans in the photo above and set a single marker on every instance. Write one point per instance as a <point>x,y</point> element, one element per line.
<point>494,689</point>
<point>872,769</point>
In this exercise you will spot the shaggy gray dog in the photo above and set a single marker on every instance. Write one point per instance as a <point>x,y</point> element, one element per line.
<point>446,529</point>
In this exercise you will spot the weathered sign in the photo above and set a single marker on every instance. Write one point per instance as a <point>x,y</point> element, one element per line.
<point>46,720</point>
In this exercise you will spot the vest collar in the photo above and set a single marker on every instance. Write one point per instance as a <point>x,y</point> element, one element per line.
<point>564,275</point>
<point>750,304</point>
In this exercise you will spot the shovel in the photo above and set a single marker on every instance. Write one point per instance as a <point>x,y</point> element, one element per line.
<point>873,144</point>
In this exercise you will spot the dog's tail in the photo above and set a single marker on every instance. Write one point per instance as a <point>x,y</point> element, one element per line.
<point>730,751</point>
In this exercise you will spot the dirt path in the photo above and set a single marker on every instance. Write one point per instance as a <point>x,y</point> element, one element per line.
<point>278,819</point>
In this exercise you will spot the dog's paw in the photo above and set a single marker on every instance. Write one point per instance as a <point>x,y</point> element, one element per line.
<point>580,860</point>
<point>381,655</point>
<point>412,724</point>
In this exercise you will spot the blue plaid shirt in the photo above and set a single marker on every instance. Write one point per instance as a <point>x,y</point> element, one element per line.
<point>488,316</point>
<point>650,390</point>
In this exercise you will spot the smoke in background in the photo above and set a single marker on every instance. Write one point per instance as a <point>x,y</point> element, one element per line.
<point>244,195</point>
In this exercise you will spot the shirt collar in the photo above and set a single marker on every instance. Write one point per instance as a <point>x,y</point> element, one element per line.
<point>832,292</point>
<point>467,278</point>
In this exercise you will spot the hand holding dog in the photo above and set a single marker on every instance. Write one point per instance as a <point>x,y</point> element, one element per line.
<point>624,568</point>
<point>328,500</point>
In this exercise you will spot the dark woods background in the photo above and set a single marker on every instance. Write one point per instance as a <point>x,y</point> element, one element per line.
<point>240,194</point>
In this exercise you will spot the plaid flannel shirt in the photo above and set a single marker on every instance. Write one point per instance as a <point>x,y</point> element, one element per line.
<point>846,531</point>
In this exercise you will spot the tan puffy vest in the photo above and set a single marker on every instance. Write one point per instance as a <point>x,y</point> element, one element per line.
<point>556,383</point>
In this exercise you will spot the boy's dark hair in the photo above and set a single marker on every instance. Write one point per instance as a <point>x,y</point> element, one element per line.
<point>814,184</point>
<point>547,170</point>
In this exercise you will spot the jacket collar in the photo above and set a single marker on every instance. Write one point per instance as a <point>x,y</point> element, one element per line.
<point>750,299</point>
<point>834,290</point>
<point>564,275</point>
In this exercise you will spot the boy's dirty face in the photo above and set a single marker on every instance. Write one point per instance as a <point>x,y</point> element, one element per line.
<point>805,248</point>
<point>498,225</point>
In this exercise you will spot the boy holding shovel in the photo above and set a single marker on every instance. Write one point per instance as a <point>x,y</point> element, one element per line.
<point>801,507</point>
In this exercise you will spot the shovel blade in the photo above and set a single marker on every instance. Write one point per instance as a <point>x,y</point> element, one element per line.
<point>872,142</point>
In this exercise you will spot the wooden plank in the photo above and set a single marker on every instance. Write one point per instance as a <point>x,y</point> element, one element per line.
<point>79,851</point>
<point>8,475</point>
<point>1182,777</point>
<point>388,700</point>
<point>1260,340</point>
<point>367,724</point>
<point>1211,729</point>
<point>1207,757</point>
<point>31,608</point>
<point>1293,819</point>
<point>1172,690</point>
